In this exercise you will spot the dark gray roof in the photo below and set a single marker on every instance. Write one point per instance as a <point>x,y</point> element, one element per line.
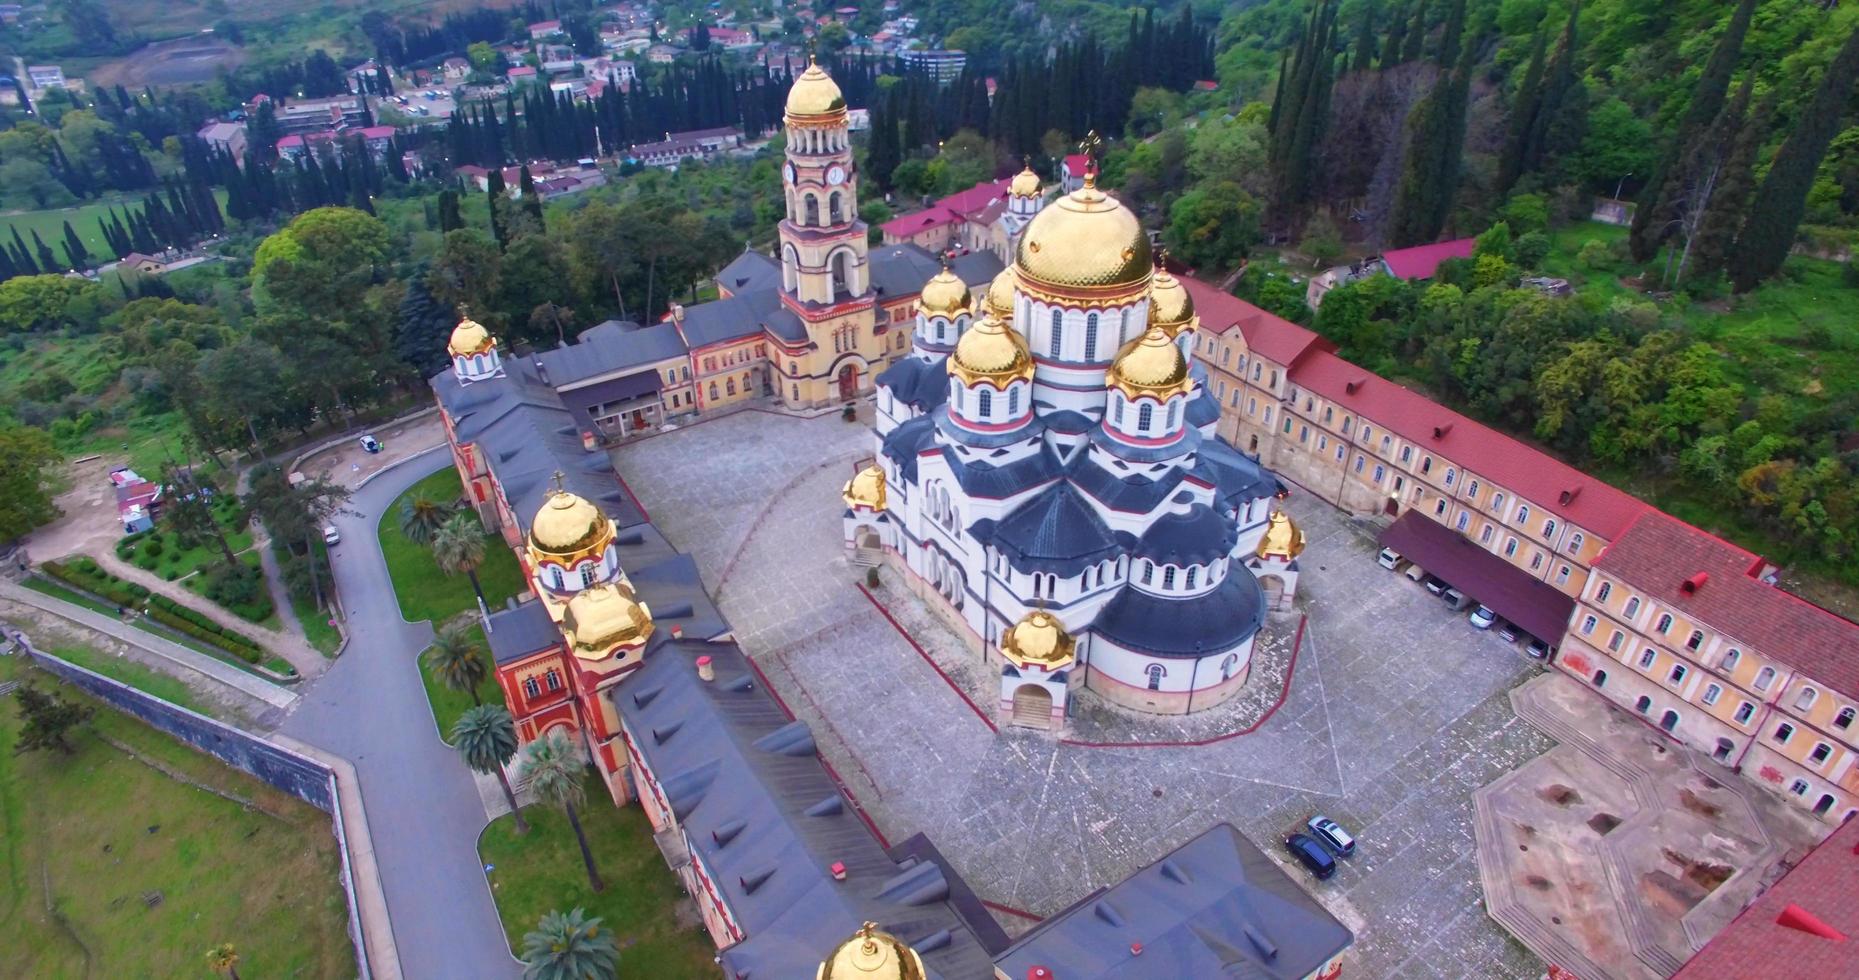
<point>1133,492</point>
<point>903,444</point>
<point>901,270</point>
<point>982,479</point>
<point>627,387</point>
<point>1237,478</point>
<point>1214,907</point>
<point>1190,441</point>
<point>517,633</point>
<point>1540,608</point>
<point>1067,421</point>
<point>1054,532</point>
<point>1203,410</point>
<point>741,315</point>
<point>921,384</point>
<point>977,269</point>
<point>767,821</point>
<point>749,272</point>
<point>674,592</point>
<point>1184,627</point>
<point>641,546</point>
<point>612,346</point>
<point>1194,537</point>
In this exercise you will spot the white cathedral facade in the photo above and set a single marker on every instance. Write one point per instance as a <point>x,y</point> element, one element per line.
<point>1047,476</point>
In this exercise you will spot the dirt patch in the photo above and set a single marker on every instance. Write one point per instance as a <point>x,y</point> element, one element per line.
<point>1698,805</point>
<point>1670,895</point>
<point>1603,823</point>
<point>1538,882</point>
<point>1559,794</point>
<point>1707,875</point>
<point>182,61</point>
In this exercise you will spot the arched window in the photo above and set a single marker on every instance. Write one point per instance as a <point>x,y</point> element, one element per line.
<point>729,386</point>
<point>1764,678</point>
<point>1805,699</point>
<point>833,208</point>
<point>1603,592</point>
<point>1730,660</point>
<point>1549,529</point>
<point>958,395</point>
<point>713,391</point>
<point>531,688</point>
<point>1665,624</point>
<point>986,402</point>
<point>1192,574</point>
<point>1090,337</point>
<point>813,211</point>
<point>1174,414</point>
<point>1145,417</point>
<point>1155,672</point>
<point>1633,607</point>
<point>1058,333</point>
<point>1013,402</point>
<point>1168,577</point>
<point>1148,571</point>
<point>1844,719</point>
<point>1695,641</point>
<point>1117,409</point>
<point>1575,542</point>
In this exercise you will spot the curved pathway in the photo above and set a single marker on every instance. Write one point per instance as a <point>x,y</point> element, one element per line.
<point>423,807</point>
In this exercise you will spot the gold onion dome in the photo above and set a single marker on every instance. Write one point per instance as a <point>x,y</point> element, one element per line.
<point>872,954</point>
<point>944,295</point>
<point>603,617</point>
<point>991,351</point>
<point>468,338</point>
<point>1039,638</point>
<point>998,300</point>
<point>1025,183</point>
<point>815,93</point>
<point>569,526</point>
<point>1170,305</point>
<point>1086,239</point>
<point>1283,538</point>
<point>1150,365</point>
<point>865,489</point>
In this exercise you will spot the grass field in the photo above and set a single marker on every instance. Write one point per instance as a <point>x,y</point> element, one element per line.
<point>131,673</point>
<point>50,224</point>
<point>448,704</point>
<point>541,871</point>
<point>423,590</point>
<point>108,868</point>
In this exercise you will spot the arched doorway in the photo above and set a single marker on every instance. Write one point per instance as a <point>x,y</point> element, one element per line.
<point>1643,705</point>
<point>1032,706</point>
<point>1825,805</point>
<point>1600,678</point>
<point>848,383</point>
<point>1723,750</point>
<point>1669,721</point>
<point>1274,588</point>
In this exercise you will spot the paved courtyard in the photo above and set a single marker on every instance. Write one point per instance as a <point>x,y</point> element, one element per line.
<point>1398,710</point>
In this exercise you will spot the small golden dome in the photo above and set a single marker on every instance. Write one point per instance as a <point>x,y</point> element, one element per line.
<point>944,295</point>
<point>1170,305</point>
<point>998,300</point>
<point>872,954</point>
<point>1025,183</point>
<point>991,351</point>
<point>468,338</point>
<point>568,527</point>
<point>1039,638</point>
<point>1086,239</point>
<point>604,617</point>
<point>865,489</point>
<point>815,94</point>
<point>1283,538</point>
<point>1150,365</point>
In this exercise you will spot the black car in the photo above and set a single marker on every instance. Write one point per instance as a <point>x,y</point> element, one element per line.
<point>1311,854</point>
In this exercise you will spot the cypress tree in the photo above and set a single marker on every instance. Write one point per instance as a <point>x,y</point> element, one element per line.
<point>449,217</point>
<point>1416,41</point>
<point>75,250</point>
<point>1736,181</point>
<point>1662,199</point>
<point>1775,212</point>
<point>532,201</point>
<point>22,259</point>
<point>1397,36</point>
<point>1365,40</point>
<point>494,192</point>
<point>1522,117</point>
<point>1435,147</point>
<point>47,259</point>
<point>1449,39</point>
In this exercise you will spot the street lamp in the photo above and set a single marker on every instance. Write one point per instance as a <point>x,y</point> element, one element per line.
<point>1621,183</point>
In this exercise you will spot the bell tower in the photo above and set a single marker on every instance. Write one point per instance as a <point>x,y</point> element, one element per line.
<point>823,242</point>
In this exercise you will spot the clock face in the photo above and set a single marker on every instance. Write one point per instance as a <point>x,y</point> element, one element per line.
<point>836,176</point>
<point>790,173</point>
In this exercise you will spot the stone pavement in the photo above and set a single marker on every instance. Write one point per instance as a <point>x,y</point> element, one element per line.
<point>1620,852</point>
<point>342,461</point>
<point>1397,712</point>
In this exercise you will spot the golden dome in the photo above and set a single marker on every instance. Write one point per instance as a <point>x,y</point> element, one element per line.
<point>1040,639</point>
<point>604,617</point>
<point>1025,183</point>
<point>815,94</point>
<point>944,295</point>
<point>1283,538</point>
<point>1170,305</point>
<point>872,954</point>
<point>991,351</point>
<point>865,489</point>
<point>1085,240</point>
<point>468,338</point>
<point>1150,365</point>
<point>998,300</point>
<point>569,527</point>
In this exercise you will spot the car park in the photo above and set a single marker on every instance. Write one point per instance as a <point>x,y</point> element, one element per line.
<point>1537,648</point>
<point>1311,855</point>
<point>1332,835</point>
<point>1508,632</point>
<point>1483,618</point>
<point>1389,559</point>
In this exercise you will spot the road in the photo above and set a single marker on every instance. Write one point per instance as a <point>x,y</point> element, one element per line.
<point>423,808</point>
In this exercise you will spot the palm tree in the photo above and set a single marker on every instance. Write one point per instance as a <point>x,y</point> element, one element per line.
<point>458,662</point>
<point>551,769</point>
<point>225,959</point>
<point>458,546</point>
<point>421,517</point>
<point>486,737</point>
<point>570,946</point>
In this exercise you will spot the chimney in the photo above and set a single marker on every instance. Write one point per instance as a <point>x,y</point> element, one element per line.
<point>588,442</point>
<point>1568,496</point>
<point>677,312</point>
<point>1439,431</point>
<point>705,672</point>
<point>1350,388</point>
<point>1694,583</point>
<point>839,870</point>
<point>677,632</point>
<point>1136,949</point>
<point>1038,973</point>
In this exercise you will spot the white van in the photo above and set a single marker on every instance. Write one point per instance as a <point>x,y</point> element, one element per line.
<point>1389,559</point>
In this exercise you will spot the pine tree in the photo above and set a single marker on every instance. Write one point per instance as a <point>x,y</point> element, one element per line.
<point>1662,200</point>
<point>1781,200</point>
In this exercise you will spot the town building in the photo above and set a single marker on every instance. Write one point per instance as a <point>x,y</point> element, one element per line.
<point>695,144</point>
<point>1414,264</point>
<point>941,67</point>
<point>986,217</point>
<point>225,136</point>
<point>297,117</point>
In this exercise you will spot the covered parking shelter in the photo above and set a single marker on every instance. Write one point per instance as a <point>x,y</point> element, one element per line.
<point>1536,607</point>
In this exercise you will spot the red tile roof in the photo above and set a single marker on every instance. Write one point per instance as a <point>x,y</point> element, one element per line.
<point>917,222</point>
<point>1659,554</point>
<point>977,197</point>
<point>1270,336</point>
<point>1421,261</point>
<point>1757,946</point>
<point>1074,164</point>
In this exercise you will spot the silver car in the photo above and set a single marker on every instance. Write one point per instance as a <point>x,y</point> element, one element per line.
<point>1332,835</point>
<point>1483,618</point>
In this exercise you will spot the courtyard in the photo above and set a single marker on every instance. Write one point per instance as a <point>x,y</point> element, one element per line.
<point>1396,712</point>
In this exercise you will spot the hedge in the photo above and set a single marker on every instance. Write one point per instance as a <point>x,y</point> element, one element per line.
<point>84,573</point>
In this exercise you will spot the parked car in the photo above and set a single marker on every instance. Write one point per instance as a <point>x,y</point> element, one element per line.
<point>1455,600</point>
<point>370,445</point>
<point>1434,585</point>
<point>1537,648</point>
<point>1332,835</point>
<point>1508,632</point>
<point>1483,618</point>
<point>1389,559</point>
<point>1311,855</point>
<point>1416,573</point>
<point>331,536</point>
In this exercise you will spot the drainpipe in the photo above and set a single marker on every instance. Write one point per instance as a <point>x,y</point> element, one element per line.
<point>1193,676</point>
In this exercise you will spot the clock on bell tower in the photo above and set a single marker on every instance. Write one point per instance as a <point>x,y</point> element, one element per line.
<point>823,242</point>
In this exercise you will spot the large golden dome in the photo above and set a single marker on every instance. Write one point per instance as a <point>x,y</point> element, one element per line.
<point>1283,538</point>
<point>872,954</point>
<point>1025,183</point>
<point>815,94</point>
<point>569,527</point>
<point>1085,240</point>
<point>1040,639</point>
<point>1170,305</point>
<point>604,617</point>
<point>944,295</point>
<point>991,351</point>
<point>1150,365</point>
<point>865,489</point>
<point>468,338</point>
<point>998,300</point>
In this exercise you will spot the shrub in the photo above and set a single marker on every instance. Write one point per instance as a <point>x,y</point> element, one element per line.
<point>146,561</point>
<point>241,589</point>
<point>1531,248</point>
<point>1594,254</point>
<point>152,547</point>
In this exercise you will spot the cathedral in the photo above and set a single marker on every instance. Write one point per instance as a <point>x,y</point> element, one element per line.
<point>1048,476</point>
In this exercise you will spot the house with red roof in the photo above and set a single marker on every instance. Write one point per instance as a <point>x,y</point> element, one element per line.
<point>958,221</point>
<point>1071,171</point>
<point>1413,264</point>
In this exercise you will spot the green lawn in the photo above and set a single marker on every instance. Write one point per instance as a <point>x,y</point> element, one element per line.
<point>316,623</point>
<point>72,596</point>
<point>129,672</point>
<point>423,590</point>
<point>448,704</point>
<point>172,560</point>
<point>197,584</point>
<point>50,223</point>
<point>76,598</point>
<point>541,871</point>
<point>145,873</point>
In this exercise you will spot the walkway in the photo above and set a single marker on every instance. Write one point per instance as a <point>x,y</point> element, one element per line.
<point>290,646</point>
<point>423,807</point>
<point>224,673</point>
